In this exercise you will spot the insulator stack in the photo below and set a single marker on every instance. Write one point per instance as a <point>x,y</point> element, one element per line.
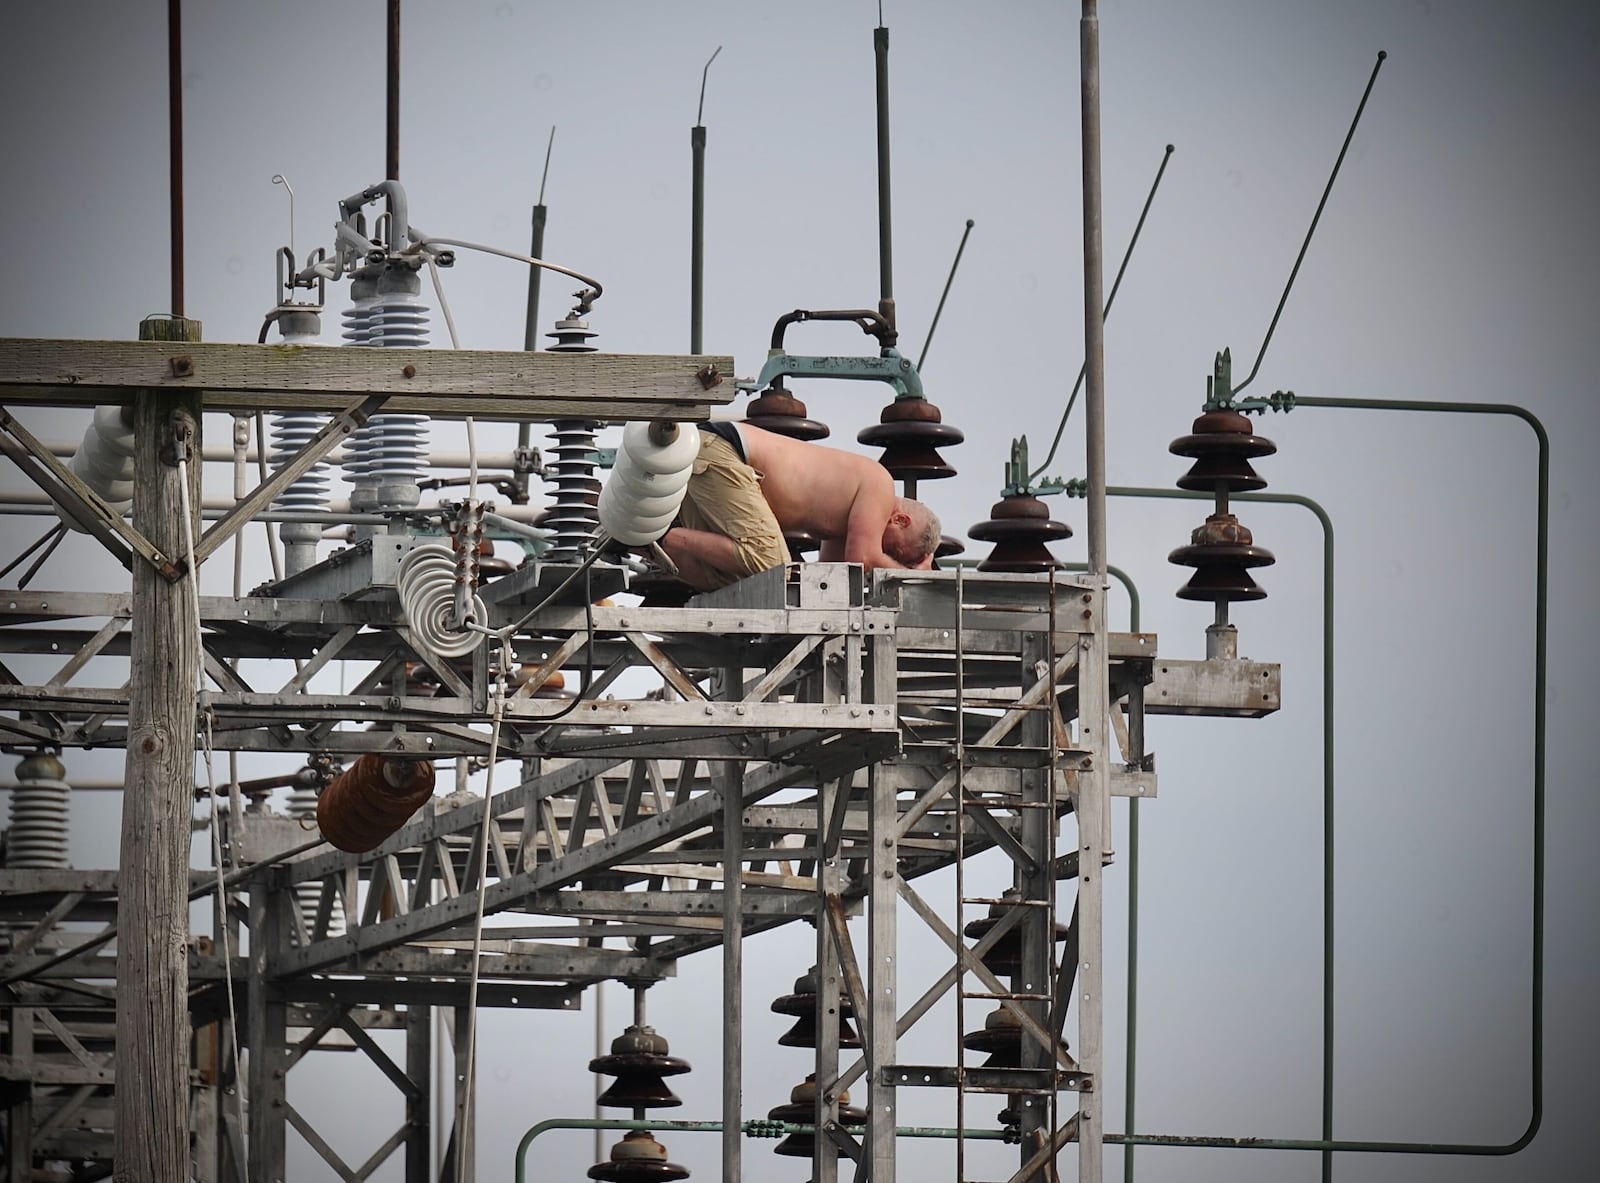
<point>291,431</point>
<point>372,799</point>
<point>640,1063</point>
<point>1221,550</point>
<point>104,461</point>
<point>911,430</point>
<point>572,517</point>
<point>638,1158</point>
<point>553,687</point>
<point>387,458</point>
<point>802,1004</point>
<point>40,805</point>
<point>1019,526</point>
<point>647,482</point>
<point>308,895</point>
<point>1005,955</point>
<point>778,411</point>
<point>802,1110</point>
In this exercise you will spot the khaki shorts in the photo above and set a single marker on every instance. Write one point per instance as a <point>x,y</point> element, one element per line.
<point>724,497</point>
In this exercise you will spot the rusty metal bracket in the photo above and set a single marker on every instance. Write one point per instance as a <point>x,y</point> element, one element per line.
<point>66,489</point>
<point>333,433</point>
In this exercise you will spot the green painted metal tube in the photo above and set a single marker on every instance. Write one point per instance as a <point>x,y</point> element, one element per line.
<point>755,1128</point>
<point>1327,1144</point>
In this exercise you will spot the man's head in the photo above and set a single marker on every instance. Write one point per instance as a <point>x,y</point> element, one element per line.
<point>912,534</point>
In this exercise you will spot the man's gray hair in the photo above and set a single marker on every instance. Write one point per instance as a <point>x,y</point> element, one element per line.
<point>924,532</point>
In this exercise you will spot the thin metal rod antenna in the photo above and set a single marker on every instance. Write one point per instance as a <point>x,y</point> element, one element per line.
<point>944,294</point>
<point>42,540</point>
<point>175,146</point>
<point>548,148</point>
<point>1315,218</point>
<point>1110,300</point>
<point>280,179</point>
<point>700,112</point>
<point>880,47</point>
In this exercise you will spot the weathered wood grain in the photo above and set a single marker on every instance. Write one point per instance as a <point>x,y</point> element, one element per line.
<point>443,382</point>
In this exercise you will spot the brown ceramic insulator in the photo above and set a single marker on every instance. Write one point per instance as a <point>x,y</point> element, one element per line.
<point>910,430</point>
<point>490,566</point>
<point>1221,582</point>
<point>1019,526</point>
<point>638,1158</point>
<point>949,546</point>
<point>372,799</point>
<point>1005,956</point>
<point>802,1110</point>
<point>801,544</point>
<point>778,411</point>
<point>638,1060</point>
<point>554,686</point>
<point>802,1004</point>
<point>1221,550</point>
<point>1001,1037</point>
<point>1222,446</point>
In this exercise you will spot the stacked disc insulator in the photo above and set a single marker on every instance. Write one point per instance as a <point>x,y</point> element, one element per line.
<point>640,1062</point>
<point>911,431</point>
<point>802,1004</point>
<point>1005,955</point>
<point>638,1158</point>
<point>1221,550</point>
<point>1019,526</point>
<point>1001,1037</point>
<point>802,1110</point>
<point>572,335</point>
<point>573,516</point>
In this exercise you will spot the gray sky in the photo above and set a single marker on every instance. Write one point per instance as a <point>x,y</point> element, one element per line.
<point>1457,259</point>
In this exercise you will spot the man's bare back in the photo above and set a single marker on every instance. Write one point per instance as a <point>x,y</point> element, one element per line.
<point>842,498</point>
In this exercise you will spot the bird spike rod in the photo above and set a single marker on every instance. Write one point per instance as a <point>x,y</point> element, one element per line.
<point>1315,218</point>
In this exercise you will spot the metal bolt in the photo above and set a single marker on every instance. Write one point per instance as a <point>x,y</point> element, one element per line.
<point>409,370</point>
<point>182,366</point>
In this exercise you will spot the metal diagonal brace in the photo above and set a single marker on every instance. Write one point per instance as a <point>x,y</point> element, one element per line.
<point>332,434</point>
<point>86,507</point>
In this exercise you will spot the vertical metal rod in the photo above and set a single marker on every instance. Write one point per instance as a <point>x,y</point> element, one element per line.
<point>732,787</point>
<point>697,236</point>
<point>530,319</point>
<point>697,216</point>
<point>880,47</point>
<point>1093,299</point>
<point>175,145</point>
<point>392,106</point>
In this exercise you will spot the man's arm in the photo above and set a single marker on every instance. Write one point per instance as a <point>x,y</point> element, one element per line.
<point>870,512</point>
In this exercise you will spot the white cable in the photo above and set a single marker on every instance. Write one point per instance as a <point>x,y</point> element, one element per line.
<point>211,790</point>
<point>422,240</point>
<point>467,1092</point>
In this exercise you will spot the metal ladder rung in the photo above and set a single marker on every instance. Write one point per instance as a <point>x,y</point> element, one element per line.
<point>1006,997</point>
<point>1007,900</point>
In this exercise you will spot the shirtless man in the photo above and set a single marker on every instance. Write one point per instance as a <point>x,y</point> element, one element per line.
<point>749,485</point>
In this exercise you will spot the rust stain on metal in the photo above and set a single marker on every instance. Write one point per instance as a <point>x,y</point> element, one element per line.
<point>709,376</point>
<point>182,366</point>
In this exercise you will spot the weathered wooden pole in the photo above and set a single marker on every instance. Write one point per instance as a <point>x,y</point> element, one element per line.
<point>152,1095</point>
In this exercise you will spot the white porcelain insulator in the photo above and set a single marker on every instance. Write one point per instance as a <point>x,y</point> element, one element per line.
<point>427,586</point>
<point>646,485</point>
<point>104,461</point>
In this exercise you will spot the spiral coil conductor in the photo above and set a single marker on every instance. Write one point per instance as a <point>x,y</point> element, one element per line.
<point>647,483</point>
<point>429,575</point>
<point>40,805</point>
<point>104,462</point>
